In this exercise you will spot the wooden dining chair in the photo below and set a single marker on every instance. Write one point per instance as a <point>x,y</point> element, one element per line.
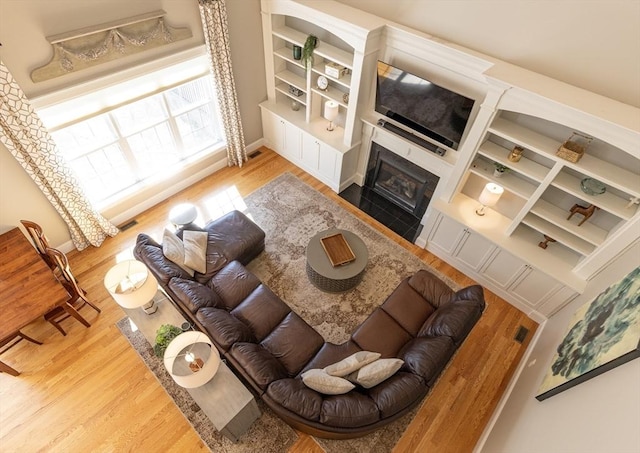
<point>19,336</point>
<point>77,297</point>
<point>41,243</point>
<point>39,240</point>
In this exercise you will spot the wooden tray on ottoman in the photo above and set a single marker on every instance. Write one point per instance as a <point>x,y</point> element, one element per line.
<point>337,249</point>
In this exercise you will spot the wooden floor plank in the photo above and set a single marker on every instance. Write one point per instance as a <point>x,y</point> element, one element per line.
<point>89,391</point>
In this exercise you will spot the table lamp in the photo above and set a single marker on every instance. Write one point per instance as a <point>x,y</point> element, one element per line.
<point>331,109</point>
<point>489,197</point>
<point>191,359</point>
<point>132,286</point>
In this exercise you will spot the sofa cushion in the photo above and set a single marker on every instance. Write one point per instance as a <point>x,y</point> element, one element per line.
<point>293,395</point>
<point>434,290</point>
<point>408,307</point>
<point>224,328</point>
<point>473,292</point>
<point>330,353</point>
<point>350,410</point>
<point>352,363</point>
<point>454,319</point>
<point>258,363</point>
<point>150,253</point>
<point>233,283</point>
<point>369,335</point>
<point>293,342</point>
<point>261,311</point>
<point>427,356</point>
<point>195,250</point>
<point>376,372</point>
<point>173,249</point>
<point>324,383</point>
<point>397,393</point>
<point>194,295</point>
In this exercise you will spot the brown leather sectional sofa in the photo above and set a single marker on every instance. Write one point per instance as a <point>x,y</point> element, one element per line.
<point>422,322</point>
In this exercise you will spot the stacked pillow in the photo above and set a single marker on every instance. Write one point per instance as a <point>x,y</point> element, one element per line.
<point>190,253</point>
<point>364,368</point>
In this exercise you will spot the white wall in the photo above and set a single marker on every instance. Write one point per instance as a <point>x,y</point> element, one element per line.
<point>592,44</point>
<point>599,415</point>
<point>24,25</point>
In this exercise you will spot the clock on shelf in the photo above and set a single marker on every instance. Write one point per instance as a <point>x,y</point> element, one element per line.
<point>323,83</point>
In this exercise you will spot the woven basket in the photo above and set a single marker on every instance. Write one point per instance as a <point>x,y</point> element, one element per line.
<point>573,149</point>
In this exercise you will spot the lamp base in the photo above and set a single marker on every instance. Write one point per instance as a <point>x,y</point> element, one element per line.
<point>330,126</point>
<point>150,308</point>
<point>481,210</point>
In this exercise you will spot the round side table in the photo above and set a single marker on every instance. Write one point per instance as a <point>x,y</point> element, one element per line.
<point>183,214</point>
<point>324,275</point>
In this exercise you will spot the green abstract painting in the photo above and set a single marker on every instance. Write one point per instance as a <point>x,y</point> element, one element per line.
<point>602,335</point>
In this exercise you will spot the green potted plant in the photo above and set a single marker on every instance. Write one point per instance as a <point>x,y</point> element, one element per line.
<point>164,335</point>
<point>307,51</point>
<point>499,170</point>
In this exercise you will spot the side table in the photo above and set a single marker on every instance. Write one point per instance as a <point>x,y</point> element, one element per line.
<point>224,399</point>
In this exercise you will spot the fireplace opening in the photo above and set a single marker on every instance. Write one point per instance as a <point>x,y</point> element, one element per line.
<point>396,192</point>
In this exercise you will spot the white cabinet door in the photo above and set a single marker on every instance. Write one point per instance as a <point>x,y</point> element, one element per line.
<point>292,148</point>
<point>447,234</point>
<point>273,130</point>
<point>474,249</point>
<point>534,287</point>
<point>310,153</point>
<point>503,268</point>
<point>328,165</point>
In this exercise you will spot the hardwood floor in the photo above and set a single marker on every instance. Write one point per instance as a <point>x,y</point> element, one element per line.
<point>89,391</point>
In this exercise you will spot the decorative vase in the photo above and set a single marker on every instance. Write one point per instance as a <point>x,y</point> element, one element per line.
<point>297,52</point>
<point>515,154</point>
<point>497,173</point>
<point>295,105</point>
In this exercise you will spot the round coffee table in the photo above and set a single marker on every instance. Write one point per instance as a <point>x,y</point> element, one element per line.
<point>336,279</point>
<point>183,214</point>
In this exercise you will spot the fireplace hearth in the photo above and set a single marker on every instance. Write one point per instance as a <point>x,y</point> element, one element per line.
<point>396,192</point>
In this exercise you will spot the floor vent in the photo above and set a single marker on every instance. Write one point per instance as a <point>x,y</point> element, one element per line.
<point>521,334</point>
<point>255,154</point>
<point>128,225</point>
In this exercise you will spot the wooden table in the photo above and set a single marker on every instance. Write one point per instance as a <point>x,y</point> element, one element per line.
<point>28,288</point>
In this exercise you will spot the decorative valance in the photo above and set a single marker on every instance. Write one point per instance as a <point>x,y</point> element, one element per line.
<point>81,49</point>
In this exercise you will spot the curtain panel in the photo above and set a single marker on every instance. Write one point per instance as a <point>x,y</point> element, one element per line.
<point>26,138</point>
<point>216,34</point>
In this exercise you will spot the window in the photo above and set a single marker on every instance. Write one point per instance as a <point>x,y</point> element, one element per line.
<point>143,140</point>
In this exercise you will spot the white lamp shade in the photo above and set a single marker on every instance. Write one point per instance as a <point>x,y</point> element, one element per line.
<point>175,352</point>
<point>331,109</point>
<point>130,284</point>
<point>490,194</point>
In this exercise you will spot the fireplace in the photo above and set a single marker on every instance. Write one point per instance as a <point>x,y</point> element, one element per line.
<point>401,182</point>
<point>396,192</point>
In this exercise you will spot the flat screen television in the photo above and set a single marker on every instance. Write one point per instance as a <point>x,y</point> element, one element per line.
<point>421,105</point>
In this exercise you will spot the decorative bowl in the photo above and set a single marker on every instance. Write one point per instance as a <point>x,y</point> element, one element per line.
<point>592,186</point>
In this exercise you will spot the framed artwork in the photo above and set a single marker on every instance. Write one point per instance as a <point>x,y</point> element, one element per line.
<point>602,335</point>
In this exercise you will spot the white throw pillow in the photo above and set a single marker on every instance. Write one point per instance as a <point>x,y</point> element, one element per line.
<point>320,381</point>
<point>352,363</point>
<point>173,249</point>
<point>371,375</point>
<point>195,250</point>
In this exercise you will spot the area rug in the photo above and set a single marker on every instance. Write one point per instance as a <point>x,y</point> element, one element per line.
<point>291,213</point>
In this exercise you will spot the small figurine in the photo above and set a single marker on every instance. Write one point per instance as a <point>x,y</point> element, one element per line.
<point>547,239</point>
<point>585,211</point>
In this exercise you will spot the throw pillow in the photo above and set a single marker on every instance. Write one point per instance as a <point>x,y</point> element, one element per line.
<point>320,381</point>
<point>371,375</point>
<point>173,250</point>
<point>195,250</point>
<point>352,363</point>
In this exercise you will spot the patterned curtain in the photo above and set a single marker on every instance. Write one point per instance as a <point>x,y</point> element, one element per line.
<point>24,135</point>
<point>214,23</point>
